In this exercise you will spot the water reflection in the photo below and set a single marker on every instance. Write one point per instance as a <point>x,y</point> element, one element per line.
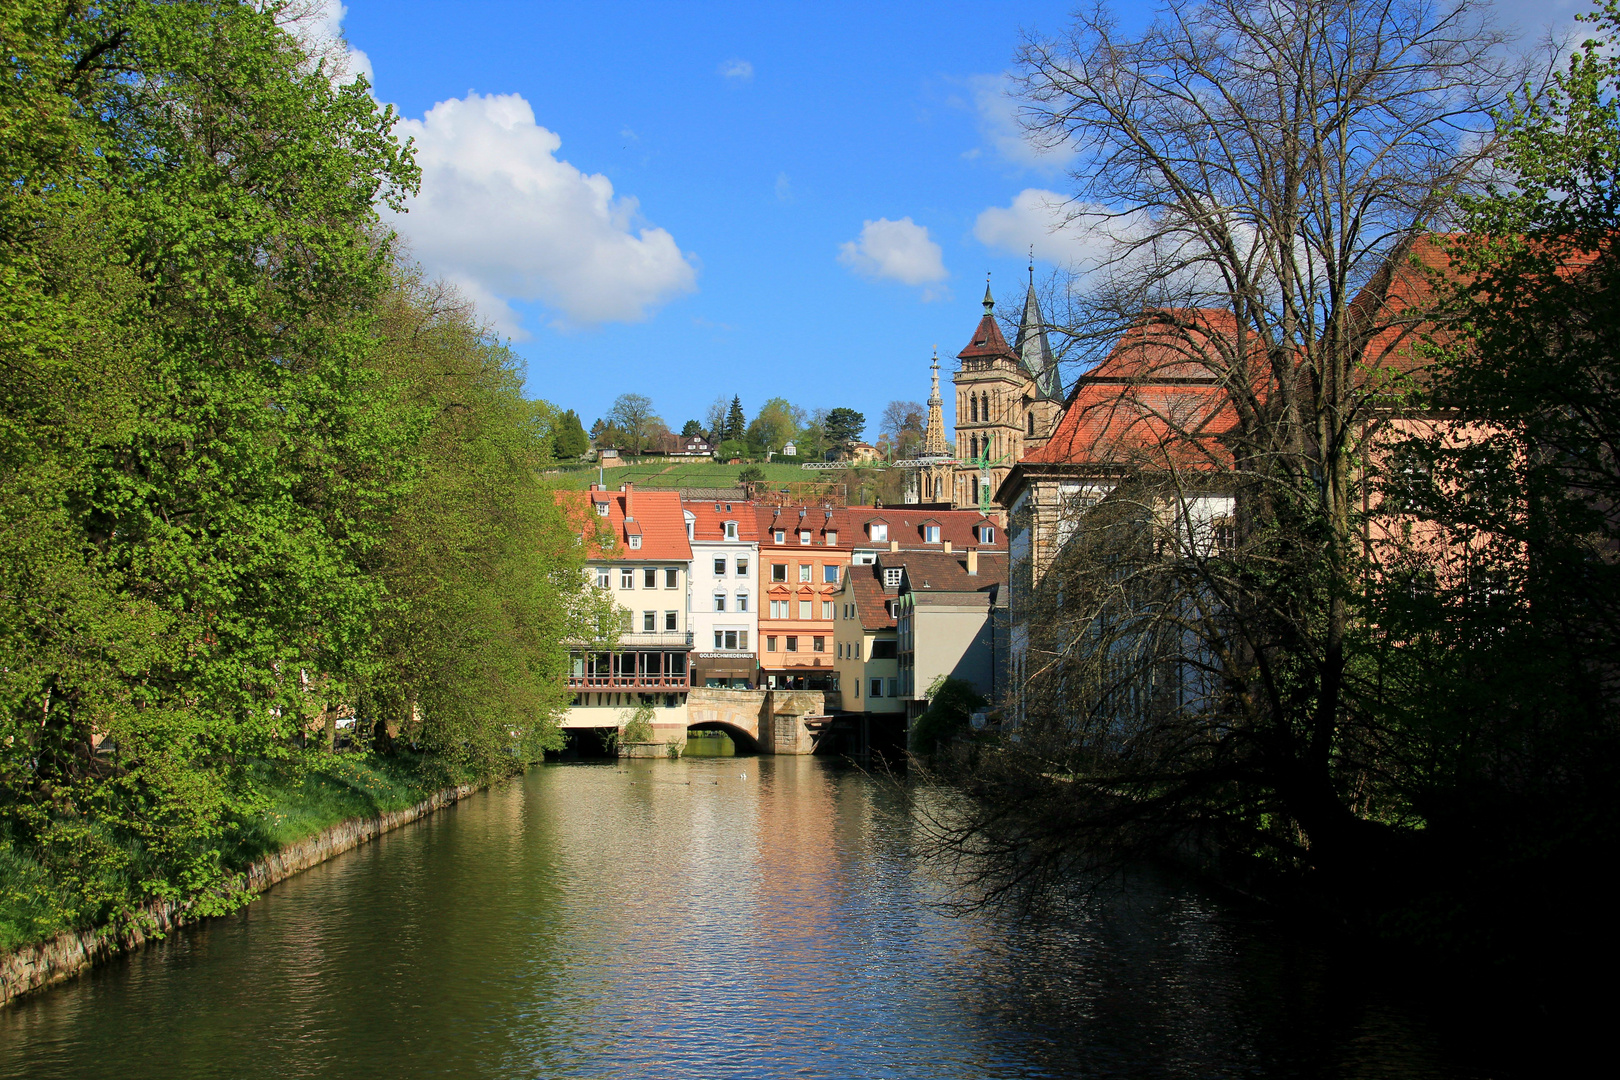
<point>749,917</point>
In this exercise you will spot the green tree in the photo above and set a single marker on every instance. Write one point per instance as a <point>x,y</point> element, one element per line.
<point>736,423</point>
<point>844,426</point>
<point>691,430</point>
<point>777,423</point>
<point>571,441</point>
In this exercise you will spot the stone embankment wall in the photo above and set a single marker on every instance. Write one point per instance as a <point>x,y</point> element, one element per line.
<point>47,963</point>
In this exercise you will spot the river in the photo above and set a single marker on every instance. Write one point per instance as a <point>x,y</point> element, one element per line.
<point>727,917</point>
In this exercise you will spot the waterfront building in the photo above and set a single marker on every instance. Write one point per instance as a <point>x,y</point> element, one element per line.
<point>1008,401</point>
<point>637,552</point>
<point>864,647</point>
<point>724,535</point>
<point>802,552</point>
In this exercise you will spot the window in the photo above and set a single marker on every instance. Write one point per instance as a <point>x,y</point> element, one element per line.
<point>742,639</point>
<point>827,609</point>
<point>649,622</point>
<point>742,601</point>
<point>973,444</point>
<point>672,577</point>
<point>672,620</point>
<point>894,688</point>
<point>780,536</point>
<point>829,574</point>
<point>778,571</point>
<point>719,601</point>
<point>930,534</point>
<point>884,650</point>
<point>891,577</point>
<point>1031,419</point>
<point>770,642</point>
<point>804,571</point>
<point>840,653</point>
<point>877,688</point>
<point>792,643</point>
<point>805,609</point>
<point>779,609</point>
<point>720,567</point>
<point>973,409</point>
<point>731,530</point>
<point>832,537</point>
<point>987,534</point>
<point>627,578</point>
<point>627,620</point>
<point>601,509</point>
<point>635,541</point>
<point>880,531</point>
<point>857,650</point>
<point>602,576</point>
<point>742,566</point>
<point>649,577</point>
<point>719,639</point>
<point>818,644</point>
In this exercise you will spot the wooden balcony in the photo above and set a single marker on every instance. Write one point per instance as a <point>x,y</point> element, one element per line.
<point>636,681</point>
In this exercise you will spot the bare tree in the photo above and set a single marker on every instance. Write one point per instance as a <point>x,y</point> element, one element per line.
<point>633,414</point>
<point>715,419</point>
<point>1264,177</point>
<point>903,424</point>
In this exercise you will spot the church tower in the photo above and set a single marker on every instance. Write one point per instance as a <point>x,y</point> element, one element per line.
<point>1008,400</point>
<point>935,474</point>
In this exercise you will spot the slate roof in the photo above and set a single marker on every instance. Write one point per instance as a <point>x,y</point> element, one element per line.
<point>655,514</point>
<point>1035,350</point>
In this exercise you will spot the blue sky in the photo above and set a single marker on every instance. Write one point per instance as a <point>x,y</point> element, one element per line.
<point>686,200</point>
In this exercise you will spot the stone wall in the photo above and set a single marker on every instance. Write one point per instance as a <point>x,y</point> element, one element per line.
<point>35,967</point>
<point>774,719</point>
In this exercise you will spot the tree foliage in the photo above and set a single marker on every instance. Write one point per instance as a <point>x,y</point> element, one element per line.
<point>213,443</point>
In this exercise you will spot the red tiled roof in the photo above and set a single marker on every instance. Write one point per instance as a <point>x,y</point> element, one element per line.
<point>657,514</point>
<point>871,600</point>
<point>818,519</point>
<point>904,522</point>
<point>1154,400</point>
<point>709,525</point>
<point>947,572</point>
<point>987,341</point>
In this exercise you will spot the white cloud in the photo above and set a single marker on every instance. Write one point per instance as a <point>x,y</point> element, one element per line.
<point>740,70</point>
<point>502,216</point>
<point>1061,231</point>
<point>784,188</point>
<point>997,107</point>
<point>898,250</point>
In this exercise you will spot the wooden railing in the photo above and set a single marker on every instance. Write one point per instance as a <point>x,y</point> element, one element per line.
<point>640,681</point>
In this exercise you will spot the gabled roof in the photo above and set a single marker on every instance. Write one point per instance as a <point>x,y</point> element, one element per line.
<point>655,514</point>
<point>709,524</point>
<point>871,599</point>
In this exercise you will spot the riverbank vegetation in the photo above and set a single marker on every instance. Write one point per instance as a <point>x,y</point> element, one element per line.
<point>1336,619</point>
<point>270,502</point>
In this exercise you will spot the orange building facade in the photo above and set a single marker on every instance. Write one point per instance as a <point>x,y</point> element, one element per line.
<point>803,551</point>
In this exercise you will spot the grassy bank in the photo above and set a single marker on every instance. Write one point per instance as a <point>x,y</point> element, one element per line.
<point>302,800</point>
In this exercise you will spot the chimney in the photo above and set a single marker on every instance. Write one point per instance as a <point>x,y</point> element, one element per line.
<point>595,486</point>
<point>894,545</point>
<point>947,547</point>
<point>629,492</point>
<point>973,561</point>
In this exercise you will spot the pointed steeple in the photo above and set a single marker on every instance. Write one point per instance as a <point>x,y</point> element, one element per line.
<point>987,339</point>
<point>1034,350</point>
<point>934,434</point>
<point>989,301</point>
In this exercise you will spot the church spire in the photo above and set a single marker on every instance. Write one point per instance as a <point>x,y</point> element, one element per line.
<point>934,434</point>
<point>1034,350</point>
<point>989,301</point>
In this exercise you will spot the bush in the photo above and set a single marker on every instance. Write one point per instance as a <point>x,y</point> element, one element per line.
<point>751,475</point>
<point>636,727</point>
<point>950,703</point>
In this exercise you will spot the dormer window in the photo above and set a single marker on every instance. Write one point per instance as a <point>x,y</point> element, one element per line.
<point>987,534</point>
<point>891,577</point>
<point>780,536</point>
<point>601,509</point>
<point>635,541</point>
<point>804,536</point>
<point>880,530</point>
<point>731,530</point>
<point>930,534</point>
<point>832,537</point>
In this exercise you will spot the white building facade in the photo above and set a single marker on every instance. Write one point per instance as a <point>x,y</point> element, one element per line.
<point>724,597</point>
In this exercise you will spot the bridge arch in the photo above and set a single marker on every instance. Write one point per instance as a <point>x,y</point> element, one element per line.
<point>741,737</point>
